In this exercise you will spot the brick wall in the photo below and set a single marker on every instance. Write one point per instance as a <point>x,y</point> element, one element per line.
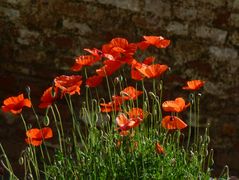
<point>39,39</point>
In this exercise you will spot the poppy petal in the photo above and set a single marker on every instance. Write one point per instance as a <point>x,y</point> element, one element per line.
<point>68,84</point>
<point>152,71</point>
<point>131,93</point>
<point>34,133</point>
<point>14,104</point>
<point>159,148</point>
<point>136,75</point>
<point>173,122</point>
<point>194,85</point>
<point>94,81</point>
<point>149,60</point>
<point>48,97</point>
<point>121,120</point>
<point>33,142</point>
<point>136,113</point>
<point>47,132</point>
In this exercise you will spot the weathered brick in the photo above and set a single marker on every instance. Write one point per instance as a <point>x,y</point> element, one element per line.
<point>234,38</point>
<point>235,7</point>
<point>79,28</point>
<point>225,54</point>
<point>60,41</point>
<point>12,14</point>
<point>133,5</point>
<point>215,3</point>
<point>30,55</point>
<point>89,0</point>
<point>204,14</point>
<point>221,17</point>
<point>12,1</point>
<point>20,69</point>
<point>214,34</point>
<point>228,129</point>
<point>177,28</point>
<point>185,10</point>
<point>158,7</point>
<point>27,37</point>
<point>186,50</point>
<point>213,88</point>
<point>199,47</point>
<point>152,23</point>
<point>234,20</point>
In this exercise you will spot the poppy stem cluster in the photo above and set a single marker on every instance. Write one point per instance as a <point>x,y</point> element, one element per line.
<point>127,137</point>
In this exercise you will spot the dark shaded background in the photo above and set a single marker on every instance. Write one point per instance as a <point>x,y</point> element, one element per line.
<point>40,38</point>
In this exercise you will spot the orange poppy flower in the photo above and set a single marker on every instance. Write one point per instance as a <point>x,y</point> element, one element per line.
<point>99,54</point>
<point>36,136</point>
<point>130,93</point>
<point>95,52</point>
<point>109,68</point>
<point>15,104</point>
<point>68,84</point>
<point>159,149</point>
<point>152,71</point>
<point>48,97</point>
<point>173,122</point>
<point>109,107</point>
<point>119,99</point>
<point>194,85</point>
<point>84,60</point>
<point>124,133</point>
<point>177,105</point>
<point>94,81</point>
<point>125,124</point>
<point>157,41</point>
<point>118,46</point>
<point>136,75</point>
<point>137,112</point>
<point>149,60</point>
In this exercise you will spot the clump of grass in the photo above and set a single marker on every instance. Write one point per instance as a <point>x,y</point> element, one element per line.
<point>127,137</point>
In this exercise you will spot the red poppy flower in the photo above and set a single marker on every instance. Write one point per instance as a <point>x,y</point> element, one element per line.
<point>130,93</point>
<point>177,105</point>
<point>149,60</point>
<point>99,54</point>
<point>109,107</point>
<point>15,104</point>
<point>119,99</point>
<point>152,71</point>
<point>157,41</point>
<point>94,81</point>
<point>120,49</point>
<point>137,112</point>
<point>84,60</point>
<point>124,133</point>
<point>68,84</point>
<point>194,85</point>
<point>109,68</point>
<point>136,75</point>
<point>118,46</point>
<point>36,136</point>
<point>159,149</point>
<point>125,124</point>
<point>48,97</point>
<point>95,52</point>
<point>173,122</point>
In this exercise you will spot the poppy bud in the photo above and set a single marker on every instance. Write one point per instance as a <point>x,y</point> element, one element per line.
<point>28,90</point>
<point>116,80</point>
